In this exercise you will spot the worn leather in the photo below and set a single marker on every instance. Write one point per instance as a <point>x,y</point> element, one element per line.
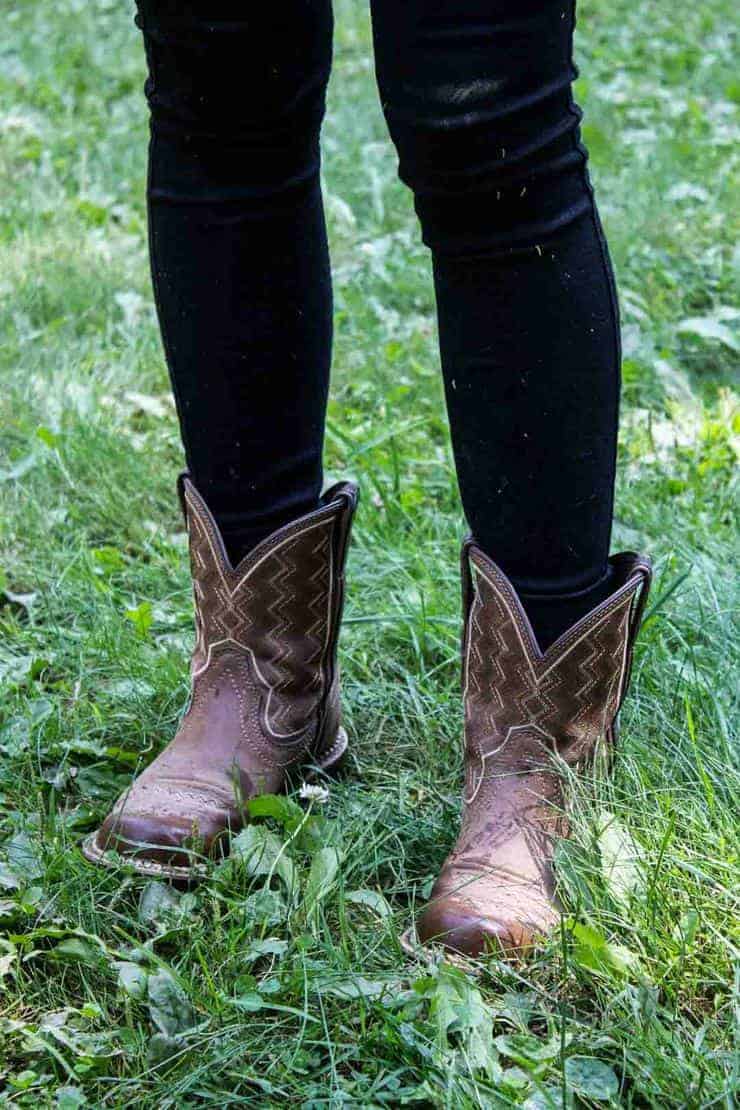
<point>528,716</point>
<point>265,692</point>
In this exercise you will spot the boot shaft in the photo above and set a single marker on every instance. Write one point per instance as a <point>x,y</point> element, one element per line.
<point>279,608</point>
<point>522,704</point>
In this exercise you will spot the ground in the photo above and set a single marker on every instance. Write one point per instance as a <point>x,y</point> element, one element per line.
<point>115,991</point>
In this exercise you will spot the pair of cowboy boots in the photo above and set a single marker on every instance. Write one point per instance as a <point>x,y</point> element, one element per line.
<point>265,702</point>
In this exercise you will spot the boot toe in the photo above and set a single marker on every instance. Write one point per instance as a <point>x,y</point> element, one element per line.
<point>150,836</point>
<point>157,839</point>
<point>461,928</point>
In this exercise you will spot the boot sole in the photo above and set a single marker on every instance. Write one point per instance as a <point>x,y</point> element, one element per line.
<point>431,950</point>
<point>410,943</point>
<point>93,853</point>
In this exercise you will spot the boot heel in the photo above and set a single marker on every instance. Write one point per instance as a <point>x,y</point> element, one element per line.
<point>334,760</point>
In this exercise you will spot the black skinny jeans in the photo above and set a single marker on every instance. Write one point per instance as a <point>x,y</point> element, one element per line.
<point>477,96</point>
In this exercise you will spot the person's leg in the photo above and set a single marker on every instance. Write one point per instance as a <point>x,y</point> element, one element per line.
<point>238,248</point>
<point>242,280</point>
<point>477,95</point>
<point>478,100</point>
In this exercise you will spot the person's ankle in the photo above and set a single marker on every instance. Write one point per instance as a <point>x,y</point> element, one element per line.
<point>553,614</point>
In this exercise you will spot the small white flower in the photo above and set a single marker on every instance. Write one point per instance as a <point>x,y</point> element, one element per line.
<point>318,794</point>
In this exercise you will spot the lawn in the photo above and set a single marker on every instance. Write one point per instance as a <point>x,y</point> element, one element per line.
<point>117,991</point>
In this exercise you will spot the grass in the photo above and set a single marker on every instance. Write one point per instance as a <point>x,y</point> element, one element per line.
<point>118,992</point>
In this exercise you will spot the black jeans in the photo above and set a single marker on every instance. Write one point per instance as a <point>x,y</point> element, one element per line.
<point>477,96</point>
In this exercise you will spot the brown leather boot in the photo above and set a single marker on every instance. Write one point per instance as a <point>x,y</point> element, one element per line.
<point>525,712</point>
<point>265,690</point>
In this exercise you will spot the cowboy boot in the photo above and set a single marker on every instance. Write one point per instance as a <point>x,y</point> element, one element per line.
<point>265,690</point>
<point>525,713</point>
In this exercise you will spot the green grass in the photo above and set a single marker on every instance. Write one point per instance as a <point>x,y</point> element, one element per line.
<point>116,992</point>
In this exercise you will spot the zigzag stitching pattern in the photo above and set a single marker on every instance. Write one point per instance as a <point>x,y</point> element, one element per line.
<point>532,689</point>
<point>232,623</point>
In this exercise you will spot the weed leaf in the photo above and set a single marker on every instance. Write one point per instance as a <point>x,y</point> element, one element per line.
<point>76,950</point>
<point>593,952</point>
<point>321,877</point>
<point>461,1016</point>
<point>157,902</point>
<point>590,1078</point>
<point>283,810</point>
<point>132,979</point>
<point>24,859</point>
<point>169,1007</point>
<point>372,900</point>
<point>263,853</point>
